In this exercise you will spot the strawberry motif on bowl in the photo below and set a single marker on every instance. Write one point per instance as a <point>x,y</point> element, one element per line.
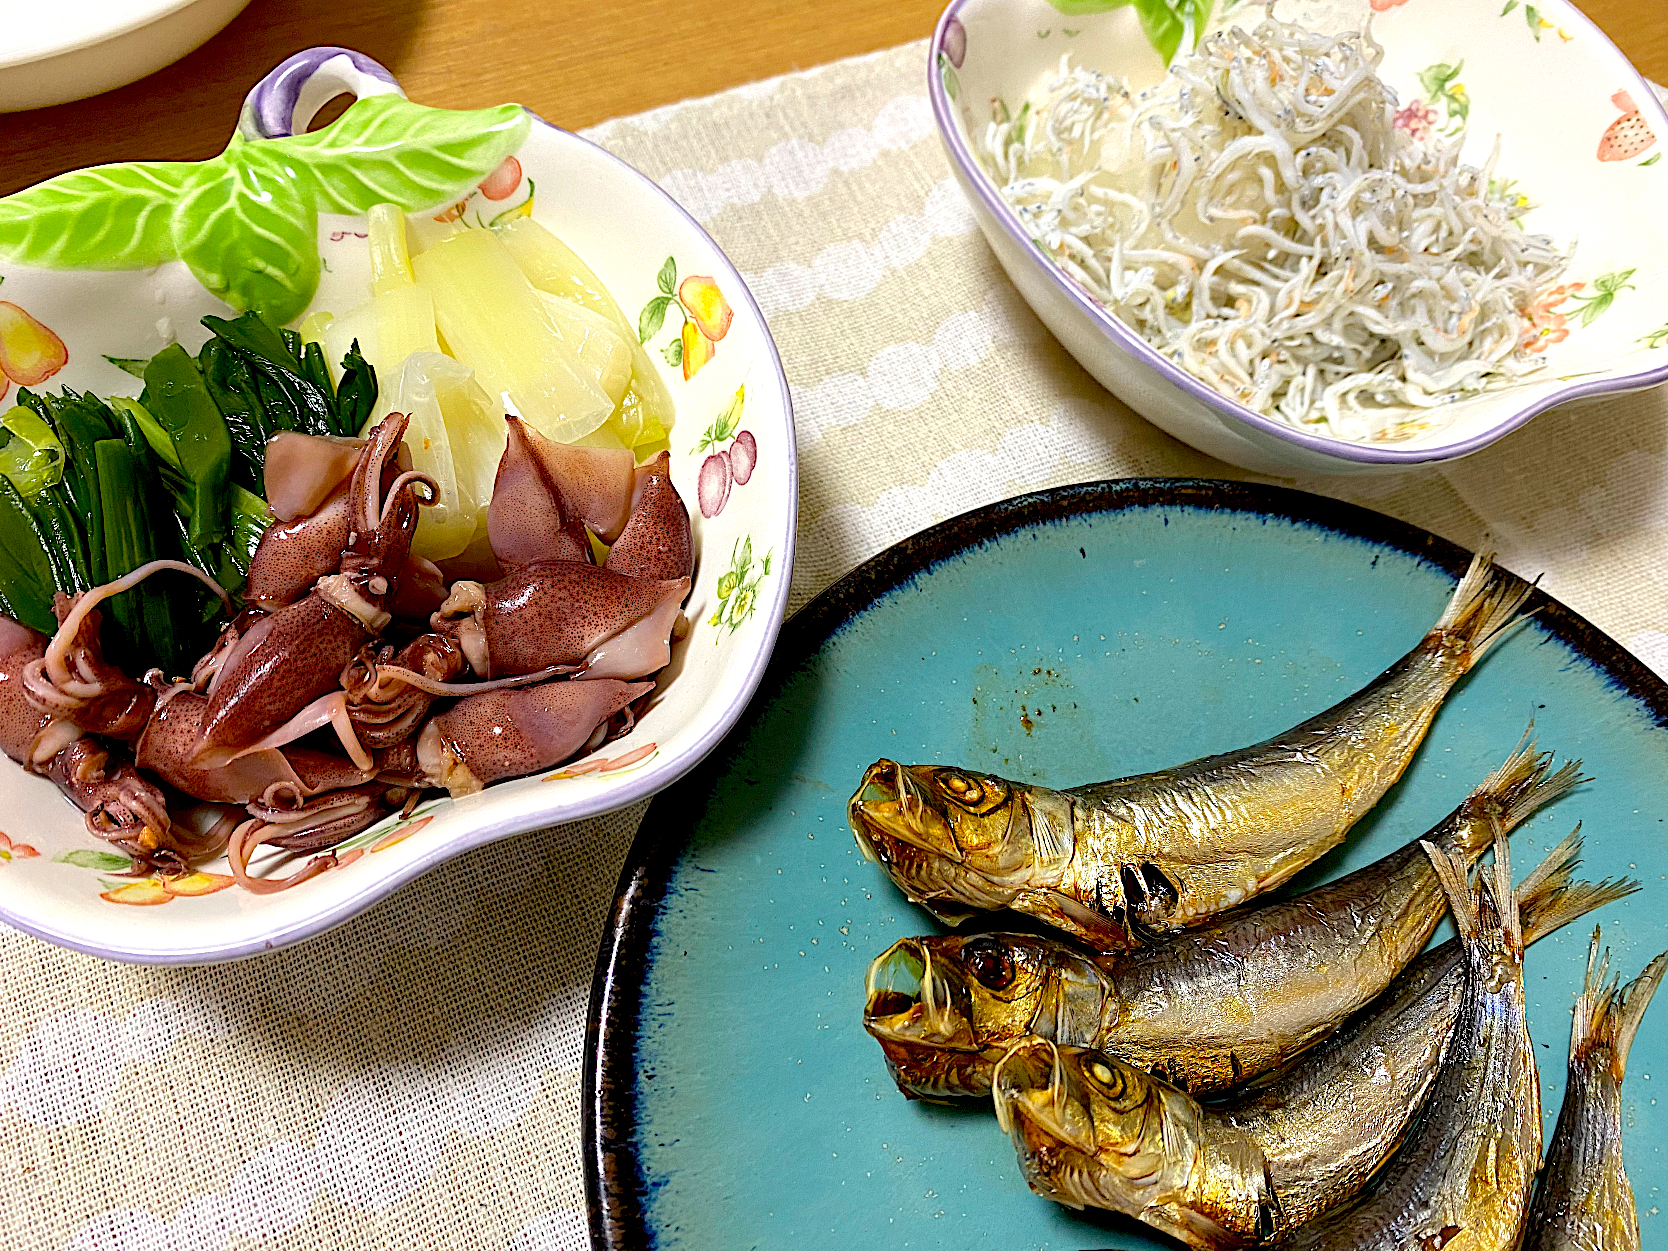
<point>1628,135</point>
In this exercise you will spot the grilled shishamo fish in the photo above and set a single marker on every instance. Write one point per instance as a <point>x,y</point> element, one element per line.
<point>1207,1008</point>
<point>1114,863</point>
<point>1584,1201</point>
<point>1461,1180</point>
<point>1094,1130</point>
<point>1327,1122</point>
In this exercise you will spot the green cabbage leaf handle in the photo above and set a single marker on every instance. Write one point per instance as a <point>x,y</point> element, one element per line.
<point>1169,25</point>
<point>248,228</point>
<point>402,153</point>
<point>246,222</point>
<point>106,217</point>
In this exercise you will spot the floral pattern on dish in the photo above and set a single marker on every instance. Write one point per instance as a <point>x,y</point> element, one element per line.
<point>1538,25</point>
<point>10,850</point>
<point>501,184</point>
<point>601,764</point>
<point>389,831</point>
<point>1549,321</point>
<point>952,52</point>
<point>705,313</point>
<point>732,464</point>
<point>738,588</point>
<point>1417,118</point>
<point>160,888</point>
<point>141,892</point>
<point>146,892</point>
<point>1441,85</point>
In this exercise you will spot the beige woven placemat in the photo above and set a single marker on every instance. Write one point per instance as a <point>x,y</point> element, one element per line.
<point>412,1079</point>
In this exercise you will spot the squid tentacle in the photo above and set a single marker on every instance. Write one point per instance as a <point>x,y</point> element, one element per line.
<point>74,681</point>
<point>243,843</point>
<point>293,659</point>
<point>387,693</point>
<point>58,650</point>
<point>319,823</point>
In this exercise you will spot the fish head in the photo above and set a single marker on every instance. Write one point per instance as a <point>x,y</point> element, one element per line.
<point>956,841</point>
<point>945,1008</point>
<point>1038,1097</point>
<point>1089,1128</point>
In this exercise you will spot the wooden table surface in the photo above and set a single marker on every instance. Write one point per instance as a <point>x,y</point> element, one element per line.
<point>573,63</point>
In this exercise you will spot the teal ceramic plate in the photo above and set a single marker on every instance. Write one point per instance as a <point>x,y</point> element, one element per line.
<point>1080,634</point>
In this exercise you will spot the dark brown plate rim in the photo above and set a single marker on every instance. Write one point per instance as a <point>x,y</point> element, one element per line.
<point>613,1182</point>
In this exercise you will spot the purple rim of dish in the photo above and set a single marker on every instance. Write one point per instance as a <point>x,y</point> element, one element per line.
<point>1134,345</point>
<point>269,108</point>
<point>642,785</point>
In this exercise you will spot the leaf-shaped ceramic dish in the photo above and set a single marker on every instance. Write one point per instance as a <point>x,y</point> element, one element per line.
<point>112,262</point>
<point>1582,135</point>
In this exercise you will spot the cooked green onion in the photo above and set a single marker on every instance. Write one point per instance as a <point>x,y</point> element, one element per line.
<point>26,584</point>
<point>181,404</point>
<point>162,443</point>
<point>30,453</point>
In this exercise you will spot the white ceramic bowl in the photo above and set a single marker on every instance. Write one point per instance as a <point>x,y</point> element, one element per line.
<point>1544,78</point>
<point>52,53</point>
<point>626,228</point>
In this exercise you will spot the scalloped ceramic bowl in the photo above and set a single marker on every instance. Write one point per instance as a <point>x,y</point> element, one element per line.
<point>626,228</point>
<point>58,52</point>
<point>1581,133</point>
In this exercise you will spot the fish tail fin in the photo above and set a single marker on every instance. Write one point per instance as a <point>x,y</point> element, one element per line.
<point>1501,899</point>
<point>1486,605</point>
<point>1488,916</point>
<point>1521,785</point>
<point>1550,897</point>
<point>1452,872</point>
<point>1526,782</point>
<point>1608,1014</point>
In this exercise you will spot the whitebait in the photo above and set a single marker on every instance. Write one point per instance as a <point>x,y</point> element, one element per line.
<point>1259,218</point>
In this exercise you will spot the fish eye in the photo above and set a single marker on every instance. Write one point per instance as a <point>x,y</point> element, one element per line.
<point>961,786</point>
<point>1123,1089</point>
<point>974,794</point>
<point>989,962</point>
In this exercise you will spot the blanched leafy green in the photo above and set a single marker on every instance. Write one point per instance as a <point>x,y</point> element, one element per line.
<point>30,453</point>
<point>176,397</point>
<point>26,584</point>
<point>93,490</point>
